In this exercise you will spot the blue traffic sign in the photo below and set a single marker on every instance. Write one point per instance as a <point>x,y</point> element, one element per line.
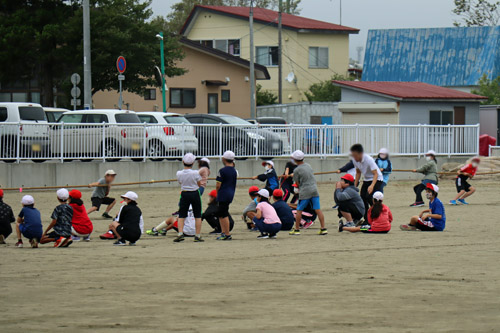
<point>121,64</point>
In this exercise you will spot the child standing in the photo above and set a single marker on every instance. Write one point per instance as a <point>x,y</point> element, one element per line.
<point>266,219</point>
<point>190,181</point>
<point>210,214</point>
<point>429,170</point>
<point>283,210</point>
<point>464,189</point>
<point>81,226</point>
<point>127,228</point>
<point>287,181</point>
<point>269,176</point>
<point>379,218</point>
<point>6,218</point>
<point>61,222</point>
<point>226,187</point>
<point>384,164</point>
<point>204,170</point>
<point>29,223</point>
<point>100,195</point>
<point>432,219</point>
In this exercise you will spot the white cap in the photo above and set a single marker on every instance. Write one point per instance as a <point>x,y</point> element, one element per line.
<point>433,187</point>
<point>298,155</point>
<point>431,152</point>
<point>130,195</point>
<point>263,193</point>
<point>378,196</point>
<point>63,194</point>
<point>27,200</point>
<point>189,159</point>
<point>204,159</point>
<point>228,156</point>
<point>271,163</point>
<point>383,151</point>
<point>110,173</point>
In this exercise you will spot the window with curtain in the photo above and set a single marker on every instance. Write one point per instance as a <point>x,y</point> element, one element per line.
<point>441,118</point>
<point>267,55</point>
<point>318,57</point>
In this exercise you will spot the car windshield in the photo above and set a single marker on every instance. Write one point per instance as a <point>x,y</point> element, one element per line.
<point>31,113</point>
<point>234,120</point>
<point>176,120</point>
<point>127,118</point>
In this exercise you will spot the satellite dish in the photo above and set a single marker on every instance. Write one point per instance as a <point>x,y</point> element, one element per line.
<point>291,78</point>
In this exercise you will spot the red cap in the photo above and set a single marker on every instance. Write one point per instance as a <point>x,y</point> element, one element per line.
<point>294,185</point>
<point>432,187</point>
<point>75,194</point>
<point>1,193</point>
<point>477,159</point>
<point>213,194</point>
<point>253,189</point>
<point>278,193</point>
<point>348,177</point>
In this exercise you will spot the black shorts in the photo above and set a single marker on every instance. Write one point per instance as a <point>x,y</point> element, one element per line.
<point>348,207</point>
<point>223,209</point>
<point>193,199</point>
<point>461,184</point>
<point>54,235</point>
<point>97,202</point>
<point>127,235</point>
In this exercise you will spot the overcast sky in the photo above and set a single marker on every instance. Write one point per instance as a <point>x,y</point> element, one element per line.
<point>367,14</point>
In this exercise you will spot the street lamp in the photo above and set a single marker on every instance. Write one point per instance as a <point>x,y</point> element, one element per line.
<point>160,37</point>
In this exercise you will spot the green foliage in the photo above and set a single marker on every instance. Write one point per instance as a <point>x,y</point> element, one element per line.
<point>477,12</point>
<point>325,91</point>
<point>265,97</point>
<point>489,88</point>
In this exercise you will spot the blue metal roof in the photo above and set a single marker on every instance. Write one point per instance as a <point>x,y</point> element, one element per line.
<point>450,57</point>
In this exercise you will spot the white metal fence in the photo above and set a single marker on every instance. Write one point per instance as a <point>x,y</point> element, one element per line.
<point>39,142</point>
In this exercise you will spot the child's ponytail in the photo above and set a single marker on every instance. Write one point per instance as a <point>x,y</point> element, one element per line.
<point>376,209</point>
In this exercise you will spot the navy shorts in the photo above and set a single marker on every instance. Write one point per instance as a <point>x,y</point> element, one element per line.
<point>97,202</point>
<point>29,233</point>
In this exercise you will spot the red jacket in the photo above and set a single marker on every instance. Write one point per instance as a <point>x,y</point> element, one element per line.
<point>383,221</point>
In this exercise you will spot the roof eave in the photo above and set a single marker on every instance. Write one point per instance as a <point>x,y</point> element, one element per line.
<point>367,91</point>
<point>454,100</point>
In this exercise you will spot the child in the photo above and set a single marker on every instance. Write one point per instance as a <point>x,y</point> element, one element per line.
<point>29,223</point>
<point>81,224</point>
<point>429,170</point>
<point>348,168</point>
<point>6,218</point>
<point>269,176</point>
<point>303,176</point>
<point>190,181</point>
<point>100,195</point>
<point>283,210</point>
<point>251,209</point>
<point>61,222</point>
<point>287,180</point>
<point>464,189</point>
<point>127,228</point>
<point>204,171</point>
<point>266,219</point>
<point>384,164</point>
<point>210,214</point>
<point>379,218</point>
<point>189,228</point>
<point>226,187</point>
<point>432,219</point>
<point>349,202</point>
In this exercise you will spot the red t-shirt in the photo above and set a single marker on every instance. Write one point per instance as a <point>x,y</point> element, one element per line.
<point>469,169</point>
<point>383,221</point>
<point>81,222</point>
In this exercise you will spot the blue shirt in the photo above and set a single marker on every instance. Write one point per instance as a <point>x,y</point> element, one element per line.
<point>32,220</point>
<point>437,207</point>
<point>227,177</point>
<point>387,166</point>
<point>284,213</point>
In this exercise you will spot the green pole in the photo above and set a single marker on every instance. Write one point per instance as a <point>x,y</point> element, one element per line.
<point>163,74</point>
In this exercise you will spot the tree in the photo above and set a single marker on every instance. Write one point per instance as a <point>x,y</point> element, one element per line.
<point>489,88</point>
<point>265,97</point>
<point>477,12</point>
<point>325,91</point>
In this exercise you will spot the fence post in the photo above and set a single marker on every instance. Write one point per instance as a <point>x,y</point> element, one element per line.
<point>322,141</point>
<point>145,142</point>
<point>291,138</point>
<point>388,133</point>
<point>220,141</point>
<point>18,143</point>
<point>183,139</point>
<point>372,140</point>
<point>103,142</point>
<point>357,133</point>
<point>62,143</point>
<point>257,142</point>
<point>449,140</point>
<point>419,140</point>
<point>477,140</point>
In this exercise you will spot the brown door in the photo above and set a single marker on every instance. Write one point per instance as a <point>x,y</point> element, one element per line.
<point>459,115</point>
<point>213,103</point>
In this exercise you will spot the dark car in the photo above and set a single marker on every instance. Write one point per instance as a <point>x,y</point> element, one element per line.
<point>243,138</point>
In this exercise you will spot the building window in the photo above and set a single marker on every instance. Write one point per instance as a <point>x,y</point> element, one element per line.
<point>267,55</point>
<point>150,95</point>
<point>182,97</point>
<point>3,114</point>
<point>318,57</point>
<point>225,96</point>
<point>231,46</point>
<point>441,118</point>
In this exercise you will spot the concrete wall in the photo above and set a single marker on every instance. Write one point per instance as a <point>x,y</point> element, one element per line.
<point>79,173</point>
<point>300,113</point>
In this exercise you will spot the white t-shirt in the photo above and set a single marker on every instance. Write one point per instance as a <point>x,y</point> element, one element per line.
<point>188,178</point>
<point>366,166</point>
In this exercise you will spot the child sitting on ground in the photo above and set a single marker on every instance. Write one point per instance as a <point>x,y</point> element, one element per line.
<point>384,164</point>
<point>6,218</point>
<point>432,219</point>
<point>251,209</point>
<point>349,202</point>
<point>29,223</point>
<point>379,218</point>
<point>127,228</point>
<point>61,222</point>
<point>100,195</point>
<point>266,219</point>
<point>172,222</point>
<point>283,210</point>
<point>210,214</point>
<point>464,189</point>
<point>269,176</point>
<point>81,226</point>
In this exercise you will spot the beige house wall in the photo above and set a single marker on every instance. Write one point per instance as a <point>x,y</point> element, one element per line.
<point>295,50</point>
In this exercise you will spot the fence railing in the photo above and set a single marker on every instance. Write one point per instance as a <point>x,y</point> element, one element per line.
<point>139,142</point>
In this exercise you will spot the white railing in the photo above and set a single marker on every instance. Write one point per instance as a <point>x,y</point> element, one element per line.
<point>64,142</point>
<point>494,150</point>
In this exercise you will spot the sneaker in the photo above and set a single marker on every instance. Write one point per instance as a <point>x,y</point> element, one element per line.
<point>323,232</point>
<point>417,204</point>
<point>294,233</point>
<point>341,226</point>
<point>68,242</point>
<point>2,239</point>
<point>255,229</point>
<point>223,237</point>
<point>350,224</point>
<point>463,202</point>
<point>34,243</point>
<point>357,223</point>
<point>60,241</point>
<point>179,239</point>
<point>87,239</point>
<point>163,232</point>
<point>406,227</point>
<point>19,244</point>
<point>273,236</point>
<point>152,232</point>
<point>131,243</point>
<point>453,202</point>
<point>263,236</point>
<point>335,207</point>
<point>108,235</point>
<point>120,242</point>
<point>75,238</point>
<point>107,216</point>
<point>307,224</point>
<point>198,239</point>
<point>214,232</point>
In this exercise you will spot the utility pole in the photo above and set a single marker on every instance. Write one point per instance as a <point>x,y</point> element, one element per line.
<point>163,93</point>
<point>288,5</point>
<point>252,65</point>
<point>280,56</point>
<point>87,74</point>
<point>340,12</point>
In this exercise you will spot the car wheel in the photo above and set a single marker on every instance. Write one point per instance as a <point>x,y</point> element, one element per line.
<point>155,151</point>
<point>110,151</point>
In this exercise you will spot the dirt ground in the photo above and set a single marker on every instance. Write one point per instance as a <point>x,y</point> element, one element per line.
<point>399,282</point>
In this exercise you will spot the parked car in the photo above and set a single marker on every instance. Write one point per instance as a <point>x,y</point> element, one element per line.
<point>52,114</point>
<point>28,127</point>
<point>89,134</point>
<point>280,130</point>
<point>166,141</point>
<point>244,139</point>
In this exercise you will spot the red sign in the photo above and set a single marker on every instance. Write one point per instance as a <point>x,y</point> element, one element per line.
<point>121,64</point>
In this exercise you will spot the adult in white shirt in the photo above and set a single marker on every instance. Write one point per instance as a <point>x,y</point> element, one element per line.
<point>372,176</point>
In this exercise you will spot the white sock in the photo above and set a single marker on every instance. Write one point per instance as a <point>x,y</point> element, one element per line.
<point>180,234</point>
<point>160,226</point>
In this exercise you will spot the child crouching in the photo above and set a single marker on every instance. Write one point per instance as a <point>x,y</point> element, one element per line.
<point>61,222</point>
<point>127,227</point>
<point>266,219</point>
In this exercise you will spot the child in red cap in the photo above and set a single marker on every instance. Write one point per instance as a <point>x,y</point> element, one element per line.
<point>210,214</point>
<point>349,202</point>
<point>81,225</point>
<point>283,210</point>
<point>6,218</point>
<point>464,189</point>
<point>251,209</point>
<point>432,219</point>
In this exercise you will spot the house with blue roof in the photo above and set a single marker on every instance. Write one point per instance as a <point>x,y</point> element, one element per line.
<point>449,57</point>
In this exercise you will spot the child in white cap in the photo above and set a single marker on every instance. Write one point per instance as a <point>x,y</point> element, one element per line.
<point>190,181</point>
<point>227,178</point>
<point>29,223</point>
<point>432,219</point>
<point>100,195</point>
<point>379,218</point>
<point>127,227</point>
<point>61,222</point>
<point>204,171</point>
<point>269,176</point>
<point>266,219</point>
